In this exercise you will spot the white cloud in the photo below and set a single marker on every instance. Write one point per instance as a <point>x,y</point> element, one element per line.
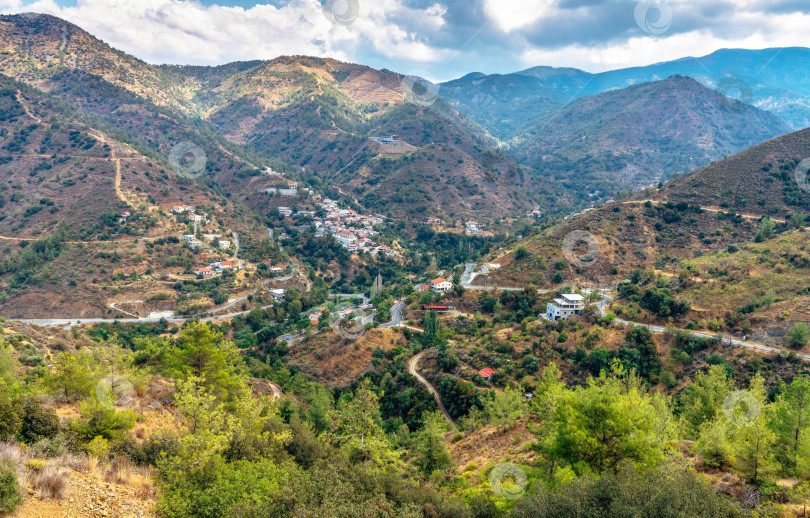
<point>515,14</point>
<point>775,31</point>
<point>175,31</point>
<point>446,36</point>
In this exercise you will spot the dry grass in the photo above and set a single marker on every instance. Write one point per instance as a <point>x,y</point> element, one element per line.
<point>15,453</point>
<point>121,471</point>
<point>80,463</point>
<point>50,481</point>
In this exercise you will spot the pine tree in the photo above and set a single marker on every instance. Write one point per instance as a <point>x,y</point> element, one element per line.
<point>432,452</point>
<point>791,423</point>
<point>431,322</point>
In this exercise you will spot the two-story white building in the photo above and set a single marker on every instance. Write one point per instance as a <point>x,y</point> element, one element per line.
<point>568,304</point>
<point>440,285</point>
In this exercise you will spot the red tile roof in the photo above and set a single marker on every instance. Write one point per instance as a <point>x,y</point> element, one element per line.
<point>486,372</point>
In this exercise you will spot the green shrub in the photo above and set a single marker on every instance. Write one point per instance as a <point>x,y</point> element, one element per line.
<point>10,491</point>
<point>50,447</point>
<point>9,419</point>
<point>798,335</point>
<point>38,422</point>
<point>98,447</point>
<point>217,488</point>
<point>100,421</point>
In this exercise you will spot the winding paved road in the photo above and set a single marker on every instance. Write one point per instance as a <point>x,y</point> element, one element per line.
<point>658,329</point>
<point>469,275</point>
<point>396,315</point>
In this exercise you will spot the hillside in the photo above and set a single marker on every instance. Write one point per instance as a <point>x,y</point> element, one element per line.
<point>96,214</point>
<point>640,135</point>
<point>504,104</point>
<point>317,114</point>
<point>765,179</point>
<point>629,235</point>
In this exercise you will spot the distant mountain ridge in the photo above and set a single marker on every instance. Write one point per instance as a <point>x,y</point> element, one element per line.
<point>641,134</point>
<point>775,80</point>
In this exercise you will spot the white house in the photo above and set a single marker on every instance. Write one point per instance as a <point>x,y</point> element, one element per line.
<point>189,238</point>
<point>277,294</point>
<point>568,304</point>
<point>345,238</point>
<point>440,285</point>
<point>472,227</point>
<point>224,244</point>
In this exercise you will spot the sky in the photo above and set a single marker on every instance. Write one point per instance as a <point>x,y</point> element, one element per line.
<point>436,39</point>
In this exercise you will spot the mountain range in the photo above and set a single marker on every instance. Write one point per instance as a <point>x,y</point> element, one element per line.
<point>456,155</point>
<point>775,80</point>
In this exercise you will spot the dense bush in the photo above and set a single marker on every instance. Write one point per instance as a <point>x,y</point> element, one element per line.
<point>10,491</point>
<point>660,493</point>
<point>38,422</point>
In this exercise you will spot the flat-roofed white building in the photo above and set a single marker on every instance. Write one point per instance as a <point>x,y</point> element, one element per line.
<point>568,304</point>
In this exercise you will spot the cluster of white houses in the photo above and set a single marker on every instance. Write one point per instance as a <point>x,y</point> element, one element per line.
<point>352,230</point>
<point>189,211</point>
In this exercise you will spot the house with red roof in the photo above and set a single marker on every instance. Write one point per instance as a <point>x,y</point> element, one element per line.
<point>440,285</point>
<point>486,372</point>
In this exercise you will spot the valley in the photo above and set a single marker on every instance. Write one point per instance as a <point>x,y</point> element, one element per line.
<point>302,286</point>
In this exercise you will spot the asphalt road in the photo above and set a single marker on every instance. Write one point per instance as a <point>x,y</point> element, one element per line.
<point>396,315</point>
<point>658,329</point>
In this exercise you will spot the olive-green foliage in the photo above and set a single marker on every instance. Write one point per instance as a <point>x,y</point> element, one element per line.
<point>10,491</point>
<point>336,487</point>
<point>102,421</point>
<point>37,421</point>
<point>9,419</point>
<point>432,450</point>
<point>610,421</point>
<point>669,492</point>
<point>216,488</point>
<point>73,375</point>
<point>798,335</point>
